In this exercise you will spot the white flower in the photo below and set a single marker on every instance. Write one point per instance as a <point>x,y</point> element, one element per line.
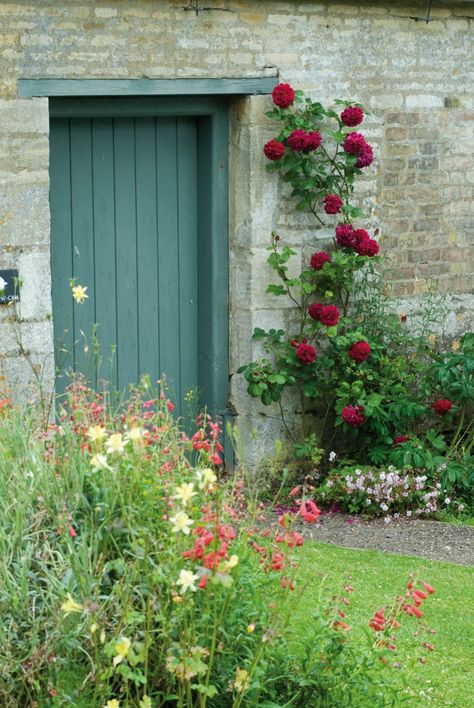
<point>96,433</point>
<point>187,580</point>
<point>383,506</point>
<point>181,522</point>
<point>115,444</point>
<point>185,492</point>
<point>408,513</point>
<point>136,436</point>
<point>79,294</point>
<point>206,477</point>
<point>461,507</point>
<point>99,462</point>
<point>447,500</point>
<point>332,456</point>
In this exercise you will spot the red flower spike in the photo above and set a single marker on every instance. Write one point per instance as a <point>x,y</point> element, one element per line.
<point>428,588</point>
<point>72,532</point>
<point>422,595</point>
<point>309,512</point>
<point>294,491</point>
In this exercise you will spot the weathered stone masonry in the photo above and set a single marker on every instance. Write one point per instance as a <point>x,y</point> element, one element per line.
<point>415,77</point>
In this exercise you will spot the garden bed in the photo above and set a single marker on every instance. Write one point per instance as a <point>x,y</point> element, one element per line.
<point>436,540</point>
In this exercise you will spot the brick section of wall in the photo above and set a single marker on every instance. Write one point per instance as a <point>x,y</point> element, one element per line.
<point>415,78</point>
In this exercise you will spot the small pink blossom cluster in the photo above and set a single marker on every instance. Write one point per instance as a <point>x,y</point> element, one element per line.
<point>393,492</point>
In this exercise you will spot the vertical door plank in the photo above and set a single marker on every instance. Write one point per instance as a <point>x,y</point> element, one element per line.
<point>83,243</point>
<point>147,247</point>
<point>188,252</point>
<point>61,249</point>
<point>126,245</point>
<point>104,247</point>
<point>168,260</point>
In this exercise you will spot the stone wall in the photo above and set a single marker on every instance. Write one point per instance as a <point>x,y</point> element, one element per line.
<point>414,77</point>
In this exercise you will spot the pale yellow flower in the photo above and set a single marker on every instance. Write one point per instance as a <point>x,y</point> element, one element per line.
<point>112,704</point>
<point>227,565</point>
<point>185,492</point>
<point>242,680</point>
<point>136,436</point>
<point>93,628</point>
<point>432,340</point>
<point>187,580</point>
<point>96,433</point>
<point>122,647</point>
<point>145,702</point>
<point>456,345</point>
<point>71,606</point>
<point>181,522</point>
<point>206,477</point>
<point>79,294</point>
<point>99,462</point>
<point>115,444</point>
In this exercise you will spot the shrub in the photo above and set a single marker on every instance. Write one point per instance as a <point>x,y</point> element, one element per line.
<point>131,575</point>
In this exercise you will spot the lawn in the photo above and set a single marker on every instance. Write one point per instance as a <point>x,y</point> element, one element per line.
<point>446,678</point>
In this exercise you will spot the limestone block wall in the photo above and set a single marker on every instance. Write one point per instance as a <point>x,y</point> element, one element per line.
<point>414,77</point>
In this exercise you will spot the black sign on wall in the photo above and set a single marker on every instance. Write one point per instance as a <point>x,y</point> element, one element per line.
<point>9,286</point>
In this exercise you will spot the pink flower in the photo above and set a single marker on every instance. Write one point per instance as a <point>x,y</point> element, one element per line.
<point>442,406</point>
<point>298,140</point>
<point>309,512</point>
<point>368,247</point>
<point>306,353</point>
<point>352,115</point>
<point>332,204</point>
<point>329,315</point>
<point>360,351</point>
<point>72,531</point>
<point>366,156</point>
<point>274,150</point>
<point>215,459</point>
<point>353,143</point>
<point>353,416</point>
<point>319,259</point>
<point>345,236</point>
<point>314,310</point>
<point>314,141</point>
<point>283,95</point>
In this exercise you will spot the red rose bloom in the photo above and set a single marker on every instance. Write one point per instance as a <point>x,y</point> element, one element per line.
<point>369,247</point>
<point>329,315</point>
<point>366,156</point>
<point>353,143</point>
<point>353,416</point>
<point>298,140</point>
<point>332,203</point>
<point>400,439</point>
<point>360,351</point>
<point>274,150</point>
<point>314,141</point>
<point>314,310</point>
<point>361,235</point>
<point>306,353</point>
<point>345,236</point>
<point>319,259</point>
<point>442,406</point>
<point>283,95</point>
<point>352,115</point>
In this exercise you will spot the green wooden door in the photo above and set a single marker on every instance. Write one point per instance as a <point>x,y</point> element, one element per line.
<point>129,221</point>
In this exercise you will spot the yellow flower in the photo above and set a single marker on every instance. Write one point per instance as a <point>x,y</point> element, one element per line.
<point>136,435</point>
<point>456,345</point>
<point>181,522</point>
<point>115,444</point>
<point>112,704</point>
<point>251,627</point>
<point>432,340</point>
<point>96,433</point>
<point>242,680</point>
<point>145,702</point>
<point>185,492</point>
<point>187,580</point>
<point>79,294</point>
<point>99,462</point>
<point>122,647</point>
<point>71,606</point>
<point>93,628</point>
<point>225,566</point>
<point>206,477</point>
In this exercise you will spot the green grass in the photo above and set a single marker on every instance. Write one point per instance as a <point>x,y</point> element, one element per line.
<point>446,678</point>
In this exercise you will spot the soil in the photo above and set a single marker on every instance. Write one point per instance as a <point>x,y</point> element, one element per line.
<point>417,537</point>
